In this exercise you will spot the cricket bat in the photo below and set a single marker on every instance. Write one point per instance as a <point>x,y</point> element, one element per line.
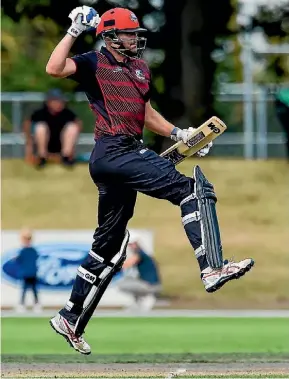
<point>199,138</point>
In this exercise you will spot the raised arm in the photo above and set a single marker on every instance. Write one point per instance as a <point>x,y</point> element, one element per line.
<point>59,65</point>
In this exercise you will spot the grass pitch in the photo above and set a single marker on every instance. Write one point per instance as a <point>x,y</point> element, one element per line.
<point>149,348</point>
<point>150,336</point>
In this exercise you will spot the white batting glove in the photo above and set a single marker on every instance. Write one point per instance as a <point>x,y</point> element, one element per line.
<point>83,18</point>
<point>184,135</point>
<point>205,150</point>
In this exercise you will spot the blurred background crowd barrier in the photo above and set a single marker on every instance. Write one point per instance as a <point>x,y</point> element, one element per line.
<point>256,135</point>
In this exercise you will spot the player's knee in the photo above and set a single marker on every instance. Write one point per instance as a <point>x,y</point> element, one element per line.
<point>94,264</point>
<point>182,191</point>
<point>207,188</point>
<point>203,188</point>
<point>189,204</point>
<point>109,238</point>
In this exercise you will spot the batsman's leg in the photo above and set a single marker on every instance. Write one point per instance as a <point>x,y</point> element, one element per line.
<point>200,221</point>
<point>157,177</point>
<point>105,258</point>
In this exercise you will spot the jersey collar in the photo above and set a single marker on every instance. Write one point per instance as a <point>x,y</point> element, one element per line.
<point>111,58</point>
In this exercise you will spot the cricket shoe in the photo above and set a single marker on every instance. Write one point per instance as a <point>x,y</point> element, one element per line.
<point>214,279</point>
<point>63,327</point>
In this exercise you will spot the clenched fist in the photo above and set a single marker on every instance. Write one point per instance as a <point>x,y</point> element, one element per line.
<point>83,18</point>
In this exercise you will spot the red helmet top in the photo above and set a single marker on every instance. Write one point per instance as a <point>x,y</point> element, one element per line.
<point>120,20</point>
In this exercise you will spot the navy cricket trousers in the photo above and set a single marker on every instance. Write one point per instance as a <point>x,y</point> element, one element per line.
<point>121,166</point>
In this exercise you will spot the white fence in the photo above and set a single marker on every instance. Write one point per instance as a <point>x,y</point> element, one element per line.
<point>258,142</point>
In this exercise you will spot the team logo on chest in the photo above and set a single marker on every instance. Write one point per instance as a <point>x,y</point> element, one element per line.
<point>139,74</point>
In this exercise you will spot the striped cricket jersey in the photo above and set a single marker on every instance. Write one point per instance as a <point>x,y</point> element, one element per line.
<point>116,91</point>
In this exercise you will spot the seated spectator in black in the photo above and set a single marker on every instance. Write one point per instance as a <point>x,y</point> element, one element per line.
<point>53,128</point>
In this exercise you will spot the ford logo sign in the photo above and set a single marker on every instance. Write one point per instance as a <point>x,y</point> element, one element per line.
<point>56,265</point>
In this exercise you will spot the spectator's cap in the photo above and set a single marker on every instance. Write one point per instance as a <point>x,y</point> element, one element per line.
<point>55,94</point>
<point>26,234</point>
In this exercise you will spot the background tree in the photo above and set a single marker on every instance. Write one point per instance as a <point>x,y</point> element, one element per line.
<point>193,46</point>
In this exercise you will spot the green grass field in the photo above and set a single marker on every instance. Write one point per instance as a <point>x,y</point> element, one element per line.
<point>252,211</point>
<point>223,347</point>
<point>149,336</point>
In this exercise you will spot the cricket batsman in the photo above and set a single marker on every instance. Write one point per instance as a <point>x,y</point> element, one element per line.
<point>117,84</point>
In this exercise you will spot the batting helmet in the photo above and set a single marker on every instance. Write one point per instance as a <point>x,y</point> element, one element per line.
<point>121,20</point>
